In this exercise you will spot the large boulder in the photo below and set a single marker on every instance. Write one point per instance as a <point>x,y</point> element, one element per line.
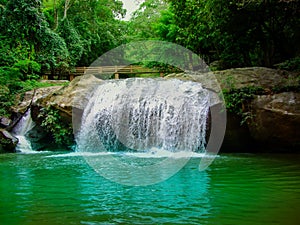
<point>30,97</point>
<point>7,142</point>
<point>273,114</point>
<point>259,77</point>
<point>70,100</point>
<point>73,96</point>
<point>276,121</point>
<point>66,100</point>
<point>238,78</point>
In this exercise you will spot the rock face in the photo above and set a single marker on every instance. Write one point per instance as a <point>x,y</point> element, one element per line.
<point>243,77</point>
<point>68,100</point>
<point>39,139</point>
<point>73,96</point>
<point>7,142</point>
<point>32,97</point>
<point>276,121</point>
<point>275,113</point>
<point>5,122</point>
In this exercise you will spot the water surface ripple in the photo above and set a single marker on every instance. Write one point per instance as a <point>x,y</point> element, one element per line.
<point>235,189</point>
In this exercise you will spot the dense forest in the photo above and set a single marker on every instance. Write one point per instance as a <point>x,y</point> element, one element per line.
<point>57,35</point>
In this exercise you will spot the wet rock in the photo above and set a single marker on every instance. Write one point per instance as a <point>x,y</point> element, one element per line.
<point>40,140</point>
<point>275,117</point>
<point>8,142</point>
<point>4,122</point>
<point>237,136</point>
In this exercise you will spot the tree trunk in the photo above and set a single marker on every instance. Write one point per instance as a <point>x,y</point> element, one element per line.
<point>51,75</point>
<point>55,15</point>
<point>67,6</point>
<point>268,53</point>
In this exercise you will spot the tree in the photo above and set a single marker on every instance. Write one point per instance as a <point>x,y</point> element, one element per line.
<point>166,27</point>
<point>26,30</point>
<point>239,33</point>
<point>94,23</point>
<point>142,24</point>
<point>73,41</point>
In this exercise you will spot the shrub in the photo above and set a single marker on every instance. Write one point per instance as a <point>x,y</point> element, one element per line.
<point>53,123</point>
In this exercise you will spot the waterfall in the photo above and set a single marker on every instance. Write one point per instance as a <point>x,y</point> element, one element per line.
<point>145,115</point>
<point>24,125</point>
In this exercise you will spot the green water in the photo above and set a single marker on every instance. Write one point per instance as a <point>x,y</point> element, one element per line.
<point>235,189</point>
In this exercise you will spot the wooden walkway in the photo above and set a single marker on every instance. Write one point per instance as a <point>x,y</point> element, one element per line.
<point>115,70</point>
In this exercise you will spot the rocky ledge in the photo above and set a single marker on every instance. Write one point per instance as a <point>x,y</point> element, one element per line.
<point>263,108</point>
<point>267,121</point>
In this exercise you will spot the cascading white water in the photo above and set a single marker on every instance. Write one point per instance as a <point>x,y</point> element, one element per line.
<point>24,125</point>
<point>145,115</point>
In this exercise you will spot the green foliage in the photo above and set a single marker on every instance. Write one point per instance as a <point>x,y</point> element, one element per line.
<point>290,65</point>
<point>54,54</point>
<point>12,83</point>
<point>9,79</point>
<point>237,101</point>
<point>81,32</point>
<point>94,23</point>
<point>72,39</point>
<point>144,20</point>
<point>166,27</point>
<point>54,124</point>
<point>29,38</point>
<point>21,21</point>
<point>28,68</point>
<point>6,102</point>
<point>7,56</point>
<point>236,33</point>
<point>162,67</point>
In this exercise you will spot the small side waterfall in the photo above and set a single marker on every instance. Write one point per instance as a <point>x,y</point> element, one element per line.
<point>145,115</point>
<point>24,125</point>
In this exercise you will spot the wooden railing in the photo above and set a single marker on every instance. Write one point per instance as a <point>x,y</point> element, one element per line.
<point>115,70</point>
